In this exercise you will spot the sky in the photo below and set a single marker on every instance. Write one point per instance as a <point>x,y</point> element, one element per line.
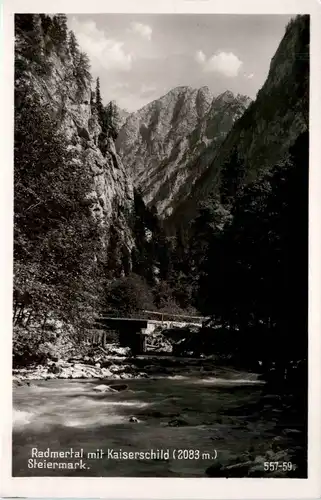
<point>139,58</point>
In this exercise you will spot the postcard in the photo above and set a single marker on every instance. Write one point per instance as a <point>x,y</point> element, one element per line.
<point>161,262</point>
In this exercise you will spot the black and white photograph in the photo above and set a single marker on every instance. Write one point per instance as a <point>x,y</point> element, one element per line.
<point>160,254</point>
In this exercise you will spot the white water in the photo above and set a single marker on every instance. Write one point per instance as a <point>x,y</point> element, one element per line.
<point>212,413</point>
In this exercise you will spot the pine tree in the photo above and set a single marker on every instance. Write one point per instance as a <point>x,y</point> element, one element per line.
<point>99,103</point>
<point>114,264</point>
<point>111,119</point>
<point>82,72</point>
<point>29,44</point>
<point>24,23</point>
<point>59,32</point>
<point>62,22</point>
<point>73,46</point>
<point>256,269</point>
<point>46,23</point>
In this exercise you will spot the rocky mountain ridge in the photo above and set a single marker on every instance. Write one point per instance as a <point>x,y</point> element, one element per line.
<point>161,143</point>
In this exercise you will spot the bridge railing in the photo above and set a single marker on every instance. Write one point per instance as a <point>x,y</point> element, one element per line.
<point>159,315</point>
<point>168,316</point>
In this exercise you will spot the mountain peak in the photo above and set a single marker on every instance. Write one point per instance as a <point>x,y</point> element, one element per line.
<point>180,88</point>
<point>160,143</point>
<point>226,96</point>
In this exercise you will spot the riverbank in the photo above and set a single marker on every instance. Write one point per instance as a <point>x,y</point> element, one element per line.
<point>110,366</point>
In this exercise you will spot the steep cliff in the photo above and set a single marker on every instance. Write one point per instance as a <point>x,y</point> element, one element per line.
<point>162,142</point>
<point>270,125</point>
<point>112,191</point>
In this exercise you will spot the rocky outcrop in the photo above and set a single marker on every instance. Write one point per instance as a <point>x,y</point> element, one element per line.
<point>161,143</point>
<point>80,369</point>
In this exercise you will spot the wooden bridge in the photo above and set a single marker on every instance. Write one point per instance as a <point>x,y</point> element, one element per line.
<point>133,331</point>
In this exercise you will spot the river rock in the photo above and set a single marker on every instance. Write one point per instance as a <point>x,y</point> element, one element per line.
<point>115,368</point>
<point>291,432</point>
<point>114,350</point>
<point>17,382</point>
<point>104,388</point>
<point>240,469</point>
<point>134,420</point>
<point>55,368</point>
<point>279,456</point>
<point>106,372</point>
<point>64,364</point>
<point>20,383</point>
<point>277,444</point>
<point>119,387</point>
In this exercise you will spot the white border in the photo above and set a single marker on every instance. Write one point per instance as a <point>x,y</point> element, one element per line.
<point>150,488</point>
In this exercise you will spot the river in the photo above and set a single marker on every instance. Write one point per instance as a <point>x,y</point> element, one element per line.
<point>231,416</point>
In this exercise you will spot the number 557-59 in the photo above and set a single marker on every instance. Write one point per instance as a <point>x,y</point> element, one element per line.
<point>274,466</point>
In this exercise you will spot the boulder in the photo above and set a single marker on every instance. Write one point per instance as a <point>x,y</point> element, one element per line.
<point>134,420</point>
<point>104,388</point>
<point>240,469</point>
<point>55,368</point>
<point>115,368</point>
<point>17,383</point>
<point>119,387</point>
<point>106,373</point>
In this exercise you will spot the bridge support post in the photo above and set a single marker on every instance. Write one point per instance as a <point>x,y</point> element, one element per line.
<point>142,340</point>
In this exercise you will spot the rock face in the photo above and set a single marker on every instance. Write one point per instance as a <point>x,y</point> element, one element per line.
<point>112,190</point>
<point>161,142</point>
<point>122,115</point>
<point>269,126</point>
